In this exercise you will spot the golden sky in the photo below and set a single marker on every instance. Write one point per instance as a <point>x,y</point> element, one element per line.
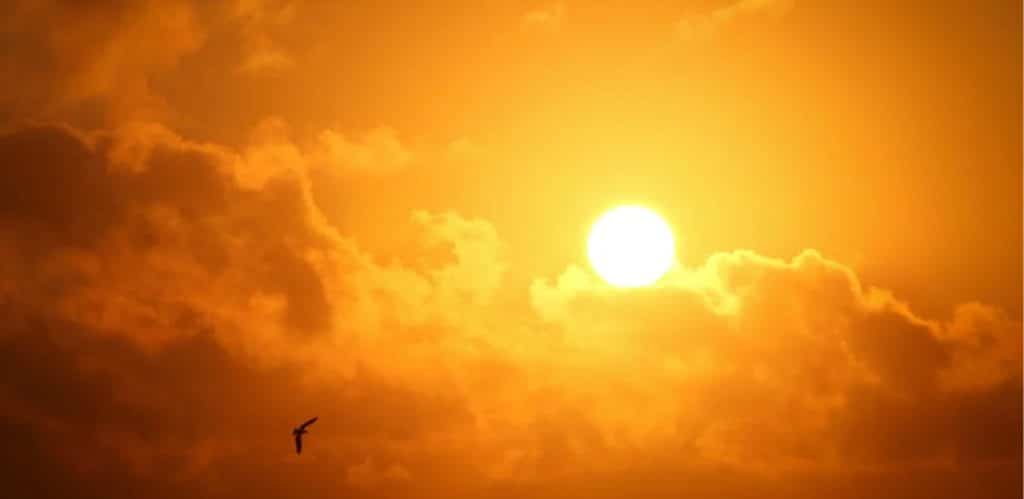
<point>222,218</point>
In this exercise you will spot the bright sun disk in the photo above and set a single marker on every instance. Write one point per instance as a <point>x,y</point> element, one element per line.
<point>631,246</point>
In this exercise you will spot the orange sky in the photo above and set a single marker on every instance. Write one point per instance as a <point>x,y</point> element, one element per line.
<point>222,218</point>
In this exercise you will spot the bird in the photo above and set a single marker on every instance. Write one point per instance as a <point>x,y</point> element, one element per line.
<point>299,431</point>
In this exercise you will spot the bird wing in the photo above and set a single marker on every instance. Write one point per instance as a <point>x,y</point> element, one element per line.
<point>307,423</point>
<point>298,443</point>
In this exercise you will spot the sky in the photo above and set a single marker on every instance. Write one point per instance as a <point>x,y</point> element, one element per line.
<point>219,219</point>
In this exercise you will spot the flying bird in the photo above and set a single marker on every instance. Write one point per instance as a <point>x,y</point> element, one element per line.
<point>298,432</point>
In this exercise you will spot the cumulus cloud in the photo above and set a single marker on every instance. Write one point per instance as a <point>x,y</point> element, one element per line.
<point>156,288</point>
<point>794,364</point>
<point>173,306</point>
<point>180,262</point>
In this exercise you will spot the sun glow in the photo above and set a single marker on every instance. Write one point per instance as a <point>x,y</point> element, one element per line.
<point>631,246</point>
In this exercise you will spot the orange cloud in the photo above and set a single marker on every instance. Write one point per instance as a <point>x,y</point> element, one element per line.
<point>71,54</point>
<point>702,27</point>
<point>547,18</point>
<point>798,349</point>
<point>180,286</point>
<point>376,151</point>
<point>259,18</point>
<point>771,369</point>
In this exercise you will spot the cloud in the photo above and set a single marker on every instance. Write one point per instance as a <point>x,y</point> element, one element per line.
<point>200,255</point>
<point>368,475</point>
<point>172,305</point>
<point>703,27</point>
<point>176,297</point>
<point>465,150</point>
<point>258,20</point>
<point>187,280</point>
<point>376,151</point>
<point>545,19</point>
<point>73,55</point>
<point>787,365</point>
<point>188,293</point>
<point>101,63</point>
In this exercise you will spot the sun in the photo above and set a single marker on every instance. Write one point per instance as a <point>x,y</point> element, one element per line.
<point>631,246</point>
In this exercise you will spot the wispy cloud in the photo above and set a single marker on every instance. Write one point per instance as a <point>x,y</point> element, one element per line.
<point>547,18</point>
<point>703,27</point>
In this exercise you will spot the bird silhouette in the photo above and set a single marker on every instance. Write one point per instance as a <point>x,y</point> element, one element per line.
<point>298,432</point>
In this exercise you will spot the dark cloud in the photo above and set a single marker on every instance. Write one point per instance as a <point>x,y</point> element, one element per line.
<point>71,191</point>
<point>94,61</point>
<point>50,175</point>
<point>87,416</point>
<point>114,367</point>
